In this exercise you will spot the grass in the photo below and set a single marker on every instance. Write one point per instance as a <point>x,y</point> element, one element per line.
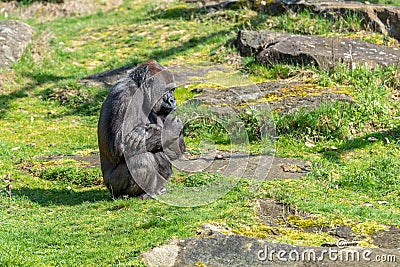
<point>58,214</point>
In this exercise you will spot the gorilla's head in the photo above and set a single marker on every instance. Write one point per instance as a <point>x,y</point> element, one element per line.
<point>157,84</point>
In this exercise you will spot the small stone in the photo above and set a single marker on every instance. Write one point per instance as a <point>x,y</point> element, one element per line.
<point>219,156</point>
<point>291,168</point>
<point>309,143</point>
<point>382,202</point>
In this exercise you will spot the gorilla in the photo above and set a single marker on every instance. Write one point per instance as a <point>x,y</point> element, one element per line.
<point>137,134</point>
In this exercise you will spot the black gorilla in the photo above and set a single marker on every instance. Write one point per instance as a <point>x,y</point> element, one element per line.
<point>135,134</point>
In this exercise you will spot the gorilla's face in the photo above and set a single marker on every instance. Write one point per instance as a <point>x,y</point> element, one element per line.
<point>166,104</point>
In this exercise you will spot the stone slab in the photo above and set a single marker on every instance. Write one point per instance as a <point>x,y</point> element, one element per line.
<point>221,250</point>
<point>273,48</point>
<point>282,96</point>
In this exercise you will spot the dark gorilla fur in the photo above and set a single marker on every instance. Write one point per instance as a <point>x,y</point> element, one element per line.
<point>134,131</point>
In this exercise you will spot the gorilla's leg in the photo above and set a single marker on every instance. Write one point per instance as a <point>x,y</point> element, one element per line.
<point>119,181</point>
<point>145,168</point>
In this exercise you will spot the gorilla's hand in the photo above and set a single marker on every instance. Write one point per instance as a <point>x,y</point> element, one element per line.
<point>171,137</point>
<point>153,138</point>
<point>135,142</point>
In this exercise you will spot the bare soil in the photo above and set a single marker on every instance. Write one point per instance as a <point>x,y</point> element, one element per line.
<point>274,213</point>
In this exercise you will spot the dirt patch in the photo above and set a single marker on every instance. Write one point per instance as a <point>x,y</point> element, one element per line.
<point>342,231</point>
<point>49,11</point>
<point>89,161</point>
<point>69,170</point>
<point>389,238</point>
<point>274,213</point>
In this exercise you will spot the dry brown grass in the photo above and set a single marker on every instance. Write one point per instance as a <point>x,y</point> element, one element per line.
<point>50,11</point>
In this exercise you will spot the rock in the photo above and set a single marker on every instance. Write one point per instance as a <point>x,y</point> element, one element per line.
<point>14,38</point>
<point>282,96</point>
<point>325,52</point>
<point>237,250</point>
<point>162,256</point>
<point>381,18</point>
<point>259,167</point>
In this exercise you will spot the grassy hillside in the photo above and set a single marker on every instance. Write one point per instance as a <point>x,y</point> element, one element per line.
<point>58,213</point>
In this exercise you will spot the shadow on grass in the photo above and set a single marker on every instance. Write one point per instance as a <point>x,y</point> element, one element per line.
<point>184,13</point>
<point>392,135</point>
<point>64,197</point>
<point>37,80</point>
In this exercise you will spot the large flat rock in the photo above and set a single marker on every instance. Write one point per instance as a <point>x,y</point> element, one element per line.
<point>235,250</point>
<point>183,74</point>
<point>14,38</point>
<point>273,48</point>
<point>281,96</point>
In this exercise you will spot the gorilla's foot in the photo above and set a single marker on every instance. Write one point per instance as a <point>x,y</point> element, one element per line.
<point>162,191</point>
<point>145,196</point>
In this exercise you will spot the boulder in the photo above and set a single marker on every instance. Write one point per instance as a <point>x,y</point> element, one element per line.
<point>381,18</point>
<point>324,52</point>
<point>14,38</point>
